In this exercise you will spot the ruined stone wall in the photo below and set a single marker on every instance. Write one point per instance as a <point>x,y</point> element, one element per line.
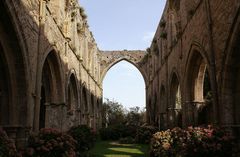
<point>192,36</point>
<point>52,69</point>
<point>60,56</point>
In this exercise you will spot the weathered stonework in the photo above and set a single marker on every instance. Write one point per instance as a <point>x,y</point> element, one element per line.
<point>52,69</point>
<point>109,58</point>
<point>194,51</point>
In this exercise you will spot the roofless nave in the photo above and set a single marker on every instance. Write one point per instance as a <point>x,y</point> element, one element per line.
<point>52,69</point>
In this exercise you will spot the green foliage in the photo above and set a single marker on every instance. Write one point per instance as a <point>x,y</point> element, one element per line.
<point>144,134</point>
<point>197,142</point>
<point>84,136</point>
<point>7,147</point>
<point>135,117</point>
<point>113,113</point>
<point>163,35</point>
<point>50,143</point>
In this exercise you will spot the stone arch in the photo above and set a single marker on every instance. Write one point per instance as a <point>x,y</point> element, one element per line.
<point>197,77</point>
<point>52,75</point>
<point>230,90</point>
<point>119,60</point>
<point>175,105</point>
<point>52,92</point>
<point>111,58</point>
<point>72,92</point>
<point>14,73</point>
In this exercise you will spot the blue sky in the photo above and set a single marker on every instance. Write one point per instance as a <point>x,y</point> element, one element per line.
<point>119,25</point>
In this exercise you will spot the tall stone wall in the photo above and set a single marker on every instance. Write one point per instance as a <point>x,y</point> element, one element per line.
<point>60,69</point>
<point>190,49</point>
<point>52,69</point>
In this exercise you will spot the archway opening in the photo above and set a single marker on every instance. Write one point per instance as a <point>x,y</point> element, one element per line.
<point>175,109</point>
<point>125,84</point>
<point>72,96</point>
<point>200,94</point>
<point>72,101</point>
<point>51,90</point>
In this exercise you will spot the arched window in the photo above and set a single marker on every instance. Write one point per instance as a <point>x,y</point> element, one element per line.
<point>51,91</point>
<point>72,93</point>
<point>199,88</point>
<point>175,102</point>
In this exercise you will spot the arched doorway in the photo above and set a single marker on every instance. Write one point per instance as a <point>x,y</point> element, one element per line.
<point>72,94</point>
<point>72,101</point>
<point>51,92</point>
<point>125,84</point>
<point>199,101</point>
<point>175,109</point>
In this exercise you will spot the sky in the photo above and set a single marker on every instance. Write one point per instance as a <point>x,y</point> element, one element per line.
<point>120,25</point>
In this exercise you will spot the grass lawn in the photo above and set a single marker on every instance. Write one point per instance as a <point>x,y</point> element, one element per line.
<point>114,149</point>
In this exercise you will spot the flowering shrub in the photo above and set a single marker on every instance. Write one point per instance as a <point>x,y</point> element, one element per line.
<point>50,143</point>
<point>84,136</point>
<point>197,142</point>
<point>144,134</point>
<point>7,147</point>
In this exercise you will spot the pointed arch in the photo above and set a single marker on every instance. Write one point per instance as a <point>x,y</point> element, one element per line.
<point>198,86</point>
<point>104,72</point>
<point>52,92</point>
<point>14,84</point>
<point>175,106</point>
<point>72,91</point>
<point>52,78</point>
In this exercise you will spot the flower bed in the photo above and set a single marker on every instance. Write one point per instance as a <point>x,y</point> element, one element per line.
<point>7,146</point>
<point>197,142</point>
<point>144,134</point>
<point>50,143</point>
<point>84,136</point>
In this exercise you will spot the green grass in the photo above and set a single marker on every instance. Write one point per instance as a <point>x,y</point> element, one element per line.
<point>114,149</point>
